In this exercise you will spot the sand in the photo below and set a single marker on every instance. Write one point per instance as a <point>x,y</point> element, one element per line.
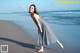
<point>18,40</point>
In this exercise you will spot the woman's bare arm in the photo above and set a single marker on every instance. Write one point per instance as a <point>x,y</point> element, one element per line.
<point>37,17</point>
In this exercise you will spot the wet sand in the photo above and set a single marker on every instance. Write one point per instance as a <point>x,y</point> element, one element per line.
<point>18,40</point>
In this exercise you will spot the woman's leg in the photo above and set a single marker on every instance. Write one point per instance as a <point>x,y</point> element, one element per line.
<point>42,48</point>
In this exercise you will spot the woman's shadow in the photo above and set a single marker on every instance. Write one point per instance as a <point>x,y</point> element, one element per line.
<point>27,45</point>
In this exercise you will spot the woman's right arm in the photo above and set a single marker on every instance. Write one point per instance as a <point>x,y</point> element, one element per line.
<point>37,17</point>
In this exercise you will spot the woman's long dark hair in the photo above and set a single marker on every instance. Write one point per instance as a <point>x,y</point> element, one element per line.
<point>35,10</point>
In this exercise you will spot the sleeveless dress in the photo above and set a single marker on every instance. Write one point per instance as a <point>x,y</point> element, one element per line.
<point>47,37</point>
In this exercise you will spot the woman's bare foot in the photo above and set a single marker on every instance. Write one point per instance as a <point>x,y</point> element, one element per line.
<point>41,50</point>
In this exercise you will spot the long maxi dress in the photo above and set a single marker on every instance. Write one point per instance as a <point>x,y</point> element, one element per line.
<point>47,37</point>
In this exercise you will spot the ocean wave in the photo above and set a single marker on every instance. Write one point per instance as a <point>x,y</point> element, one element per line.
<point>63,21</point>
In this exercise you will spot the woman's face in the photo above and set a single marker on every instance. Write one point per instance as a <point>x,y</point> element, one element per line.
<point>32,9</point>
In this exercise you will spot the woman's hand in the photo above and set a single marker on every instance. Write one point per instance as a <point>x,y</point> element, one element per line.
<point>41,30</point>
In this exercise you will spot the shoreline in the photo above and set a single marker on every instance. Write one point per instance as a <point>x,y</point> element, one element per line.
<point>17,40</point>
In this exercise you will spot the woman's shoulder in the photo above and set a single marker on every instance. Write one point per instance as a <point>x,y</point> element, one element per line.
<point>37,16</point>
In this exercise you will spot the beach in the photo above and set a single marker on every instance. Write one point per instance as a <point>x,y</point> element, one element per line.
<point>17,40</point>
<point>19,32</point>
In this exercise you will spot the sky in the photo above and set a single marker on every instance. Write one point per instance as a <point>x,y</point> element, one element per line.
<point>42,5</point>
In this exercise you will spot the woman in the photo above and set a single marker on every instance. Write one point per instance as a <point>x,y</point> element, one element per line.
<point>46,37</point>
